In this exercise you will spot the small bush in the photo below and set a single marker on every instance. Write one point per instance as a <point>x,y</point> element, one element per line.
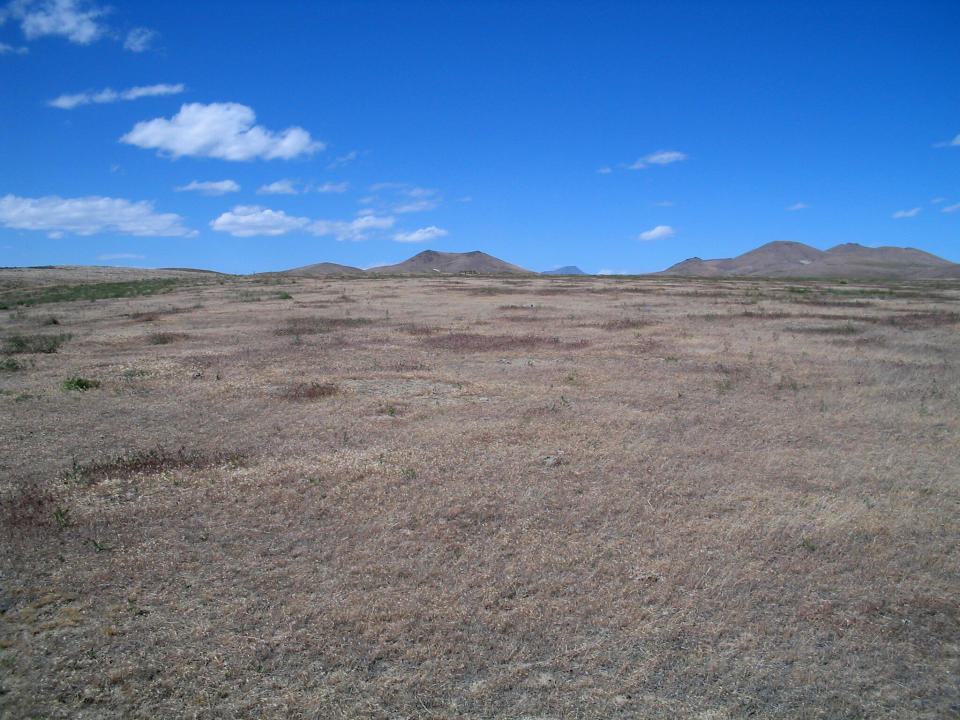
<point>10,365</point>
<point>35,343</point>
<point>164,338</point>
<point>414,329</point>
<point>80,384</point>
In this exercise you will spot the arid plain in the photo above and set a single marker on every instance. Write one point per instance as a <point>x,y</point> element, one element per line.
<point>478,497</point>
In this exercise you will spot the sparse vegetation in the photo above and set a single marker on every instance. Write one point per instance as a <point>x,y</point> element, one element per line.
<point>90,292</point>
<point>10,364</point>
<point>472,342</point>
<point>152,460</point>
<point>35,343</point>
<point>309,391</point>
<point>317,325</point>
<point>164,338</point>
<point>737,509</point>
<point>79,384</point>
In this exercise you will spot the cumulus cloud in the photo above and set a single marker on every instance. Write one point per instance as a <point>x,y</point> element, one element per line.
<point>661,157</point>
<point>280,187</point>
<point>76,21</point>
<point>218,187</point>
<point>422,235</point>
<point>108,95</point>
<point>329,187</point>
<point>798,206</point>
<point>220,130</point>
<point>949,143</point>
<point>11,50</point>
<point>950,208</point>
<point>906,213</point>
<point>139,39</point>
<point>658,233</point>
<point>88,216</point>
<point>252,220</point>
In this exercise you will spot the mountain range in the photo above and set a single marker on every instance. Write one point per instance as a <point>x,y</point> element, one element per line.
<point>775,259</point>
<point>793,259</point>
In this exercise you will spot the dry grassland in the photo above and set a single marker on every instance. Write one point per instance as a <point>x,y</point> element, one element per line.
<point>473,497</point>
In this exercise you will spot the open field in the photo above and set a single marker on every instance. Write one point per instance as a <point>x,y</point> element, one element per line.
<point>476,497</point>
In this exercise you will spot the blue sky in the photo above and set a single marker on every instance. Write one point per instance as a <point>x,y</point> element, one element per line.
<point>616,136</point>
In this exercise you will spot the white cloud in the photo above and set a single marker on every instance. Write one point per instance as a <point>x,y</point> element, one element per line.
<point>658,233</point>
<point>607,271</point>
<point>120,256</point>
<point>343,160</point>
<point>88,216</point>
<point>938,200</point>
<point>329,187</point>
<point>605,170</point>
<point>951,208</point>
<point>422,235</point>
<point>906,213</point>
<point>798,206</point>
<point>139,39</point>
<point>661,157</point>
<point>949,143</point>
<point>406,198</point>
<point>354,230</point>
<point>64,18</point>
<point>108,95</point>
<point>664,203</point>
<point>218,187</point>
<point>10,49</point>
<point>280,187</point>
<point>416,206</point>
<point>252,220</point>
<point>220,130</point>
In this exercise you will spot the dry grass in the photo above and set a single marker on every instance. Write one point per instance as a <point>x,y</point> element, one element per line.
<point>711,503</point>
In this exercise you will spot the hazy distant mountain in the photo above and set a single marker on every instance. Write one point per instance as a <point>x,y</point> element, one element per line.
<point>324,268</point>
<point>565,270</point>
<point>793,259</point>
<point>430,261</point>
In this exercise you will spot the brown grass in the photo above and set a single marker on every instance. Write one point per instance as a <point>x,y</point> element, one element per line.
<point>742,519</point>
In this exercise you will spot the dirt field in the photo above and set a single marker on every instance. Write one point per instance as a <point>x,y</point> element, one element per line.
<point>474,497</point>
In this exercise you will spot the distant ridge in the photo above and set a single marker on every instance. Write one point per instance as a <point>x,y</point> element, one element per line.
<point>430,261</point>
<point>793,259</point>
<point>323,268</point>
<point>565,270</point>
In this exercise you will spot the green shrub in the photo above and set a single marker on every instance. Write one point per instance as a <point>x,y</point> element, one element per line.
<point>80,384</point>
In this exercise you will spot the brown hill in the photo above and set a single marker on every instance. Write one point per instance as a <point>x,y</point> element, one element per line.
<point>793,259</point>
<point>432,261</point>
<point>324,268</point>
